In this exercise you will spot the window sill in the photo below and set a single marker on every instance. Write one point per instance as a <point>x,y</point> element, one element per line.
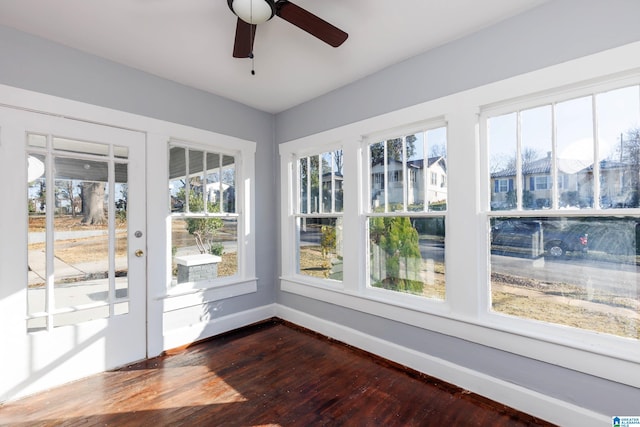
<point>192,294</point>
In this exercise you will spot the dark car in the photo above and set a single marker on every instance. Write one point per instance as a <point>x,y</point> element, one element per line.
<point>538,237</point>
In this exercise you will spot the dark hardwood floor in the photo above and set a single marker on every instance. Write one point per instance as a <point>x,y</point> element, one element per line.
<point>269,374</point>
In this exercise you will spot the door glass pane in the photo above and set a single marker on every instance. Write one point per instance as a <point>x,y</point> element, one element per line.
<point>78,246</point>
<point>36,208</point>
<point>121,239</point>
<point>74,146</point>
<point>34,140</point>
<point>81,239</point>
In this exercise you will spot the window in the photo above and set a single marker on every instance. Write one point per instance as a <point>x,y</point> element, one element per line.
<point>204,218</point>
<point>502,185</point>
<point>406,237</point>
<point>563,266</point>
<point>319,215</point>
<point>531,290</point>
<point>541,183</point>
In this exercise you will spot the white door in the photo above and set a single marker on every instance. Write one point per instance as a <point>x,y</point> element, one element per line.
<point>72,252</point>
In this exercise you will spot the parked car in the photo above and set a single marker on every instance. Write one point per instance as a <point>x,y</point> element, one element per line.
<point>538,237</point>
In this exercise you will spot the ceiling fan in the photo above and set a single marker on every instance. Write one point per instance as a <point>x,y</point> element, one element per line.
<point>253,12</point>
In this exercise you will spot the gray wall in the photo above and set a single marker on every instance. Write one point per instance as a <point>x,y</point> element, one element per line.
<point>555,32</point>
<point>36,64</point>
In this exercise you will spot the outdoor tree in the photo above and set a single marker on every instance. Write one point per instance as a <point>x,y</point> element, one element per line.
<point>629,153</point>
<point>398,241</point>
<point>394,149</point>
<point>203,229</point>
<point>437,150</point>
<point>92,194</point>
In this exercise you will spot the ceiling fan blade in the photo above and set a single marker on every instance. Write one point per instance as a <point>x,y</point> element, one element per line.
<point>245,36</point>
<point>310,23</point>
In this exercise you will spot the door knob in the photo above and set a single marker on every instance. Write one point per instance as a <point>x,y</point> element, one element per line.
<point>139,253</point>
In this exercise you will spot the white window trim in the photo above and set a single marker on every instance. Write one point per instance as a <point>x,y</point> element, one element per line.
<point>236,285</point>
<point>466,313</point>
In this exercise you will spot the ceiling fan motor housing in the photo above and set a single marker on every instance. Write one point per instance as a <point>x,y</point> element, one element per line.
<point>253,11</point>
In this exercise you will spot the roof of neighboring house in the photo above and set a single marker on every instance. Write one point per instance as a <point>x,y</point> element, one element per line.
<point>540,166</point>
<point>419,163</point>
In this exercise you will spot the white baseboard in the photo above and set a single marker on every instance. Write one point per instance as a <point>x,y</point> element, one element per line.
<point>517,397</point>
<point>192,333</point>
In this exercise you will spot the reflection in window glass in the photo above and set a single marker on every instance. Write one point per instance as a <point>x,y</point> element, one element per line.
<point>574,271</point>
<point>320,247</point>
<point>319,238</point>
<point>568,168</point>
<point>76,208</point>
<point>502,137</point>
<point>203,248</point>
<point>409,173</point>
<point>575,151</point>
<point>619,147</point>
<point>407,255</point>
<point>408,176</point>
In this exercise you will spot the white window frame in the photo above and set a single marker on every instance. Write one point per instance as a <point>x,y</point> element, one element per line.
<point>244,281</point>
<point>364,186</point>
<point>465,313</point>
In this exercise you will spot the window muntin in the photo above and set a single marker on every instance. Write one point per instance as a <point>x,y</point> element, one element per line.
<point>406,237</point>
<point>318,218</point>
<point>573,270</point>
<point>204,224</point>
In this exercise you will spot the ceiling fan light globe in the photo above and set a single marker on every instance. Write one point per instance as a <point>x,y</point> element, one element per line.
<point>253,11</point>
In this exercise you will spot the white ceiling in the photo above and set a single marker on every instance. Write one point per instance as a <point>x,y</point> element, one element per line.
<point>191,41</point>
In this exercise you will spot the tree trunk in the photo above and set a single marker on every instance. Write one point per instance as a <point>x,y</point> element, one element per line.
<point>93,203</point>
